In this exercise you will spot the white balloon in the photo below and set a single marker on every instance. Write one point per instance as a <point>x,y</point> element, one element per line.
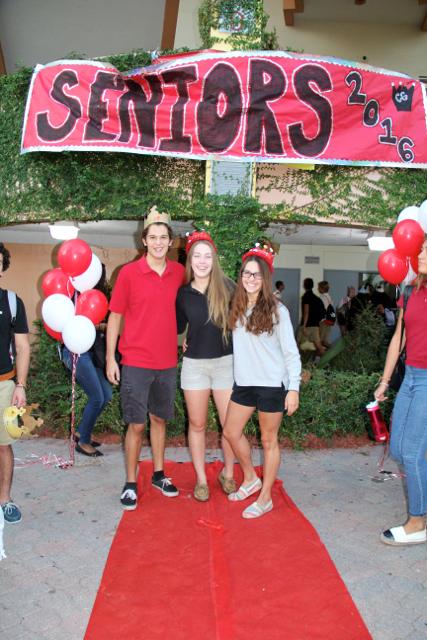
<point>79,334</point>
<point>422,216</point>
<point>57,309</point>
<point>89,278</point>
<point>410,276</point>
<point>409,213</point>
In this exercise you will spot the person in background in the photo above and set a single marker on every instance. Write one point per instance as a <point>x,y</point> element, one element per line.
<point>343,309</point>
<point>13,380</point>
<point>143,300</point>
<point>362,300</point>
<point>388,318</point>
<point>202,305</point>
<point>267,372</point>
<point>408,442</point>
<point>312,313</point>
<point>279,290</point>
<point>98,390</point>
<point>325,326</point>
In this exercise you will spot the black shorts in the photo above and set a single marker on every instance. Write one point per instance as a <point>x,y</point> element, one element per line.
<point>266,399</point>
<point>147,390</point>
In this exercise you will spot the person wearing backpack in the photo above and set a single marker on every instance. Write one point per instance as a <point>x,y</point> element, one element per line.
<point>312,312</point>
<point>14,364</point>
<point>330,316</point>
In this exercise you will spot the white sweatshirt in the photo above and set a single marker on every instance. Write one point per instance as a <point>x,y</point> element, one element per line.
<point>267,360</point>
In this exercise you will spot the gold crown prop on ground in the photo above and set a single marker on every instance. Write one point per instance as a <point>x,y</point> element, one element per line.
<point>29,423</point>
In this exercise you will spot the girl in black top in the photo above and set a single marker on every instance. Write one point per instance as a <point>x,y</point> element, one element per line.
<point>202,307</point>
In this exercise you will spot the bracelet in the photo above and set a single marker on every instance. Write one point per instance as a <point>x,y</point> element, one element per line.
<point>383,382</point>
<point>22,386</point>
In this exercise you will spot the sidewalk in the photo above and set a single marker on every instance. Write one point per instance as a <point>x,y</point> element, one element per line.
<point>56,555</point>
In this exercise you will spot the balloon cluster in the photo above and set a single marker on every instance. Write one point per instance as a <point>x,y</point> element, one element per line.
<point>74,324</point>
<point>401,263</point>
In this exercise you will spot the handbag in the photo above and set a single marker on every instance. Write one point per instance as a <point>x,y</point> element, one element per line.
<point>99,350</point>
<point>399,370</point>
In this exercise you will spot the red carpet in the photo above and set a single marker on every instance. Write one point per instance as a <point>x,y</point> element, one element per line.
<point>183,570</point>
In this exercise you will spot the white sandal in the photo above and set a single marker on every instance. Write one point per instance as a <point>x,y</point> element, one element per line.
<point>256,510</point>
<point>397,537</point>
<point>244,491</point>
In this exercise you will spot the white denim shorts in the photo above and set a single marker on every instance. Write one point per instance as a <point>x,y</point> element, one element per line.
<point>208,373</point>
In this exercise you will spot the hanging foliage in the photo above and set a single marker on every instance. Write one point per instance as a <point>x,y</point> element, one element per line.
<point>242,24</point>
<point>89,186</point>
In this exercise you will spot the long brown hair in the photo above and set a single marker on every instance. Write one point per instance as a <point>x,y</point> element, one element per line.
<point>219,291</point>
<point>265,313</point>
<point>421,279</point>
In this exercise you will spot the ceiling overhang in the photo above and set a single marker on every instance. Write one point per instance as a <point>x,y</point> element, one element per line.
<point>126,234</point>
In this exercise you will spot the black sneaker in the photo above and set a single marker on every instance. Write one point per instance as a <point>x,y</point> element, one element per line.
<point>128,499</point>
<point>165,486</point>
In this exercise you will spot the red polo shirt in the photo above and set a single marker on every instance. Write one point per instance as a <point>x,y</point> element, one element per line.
<point>416,328</point>
<point>147,303</point>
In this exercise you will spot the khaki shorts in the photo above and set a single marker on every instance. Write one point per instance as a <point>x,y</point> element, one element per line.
<point>311,333</point>
<point>324,331</point>
<point>207,373</point>
<point>6,392</point>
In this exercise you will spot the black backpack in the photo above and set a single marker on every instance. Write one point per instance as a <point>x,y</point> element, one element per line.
<point>330,315</point>
<point>319,308</point>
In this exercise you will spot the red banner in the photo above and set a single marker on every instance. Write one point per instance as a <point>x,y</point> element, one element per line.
<point>256,106</point>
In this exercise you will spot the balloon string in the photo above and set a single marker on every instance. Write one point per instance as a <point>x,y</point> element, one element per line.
<point>382,473</point>
<point>73,408</point>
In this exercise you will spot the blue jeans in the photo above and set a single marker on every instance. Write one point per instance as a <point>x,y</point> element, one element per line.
<point>408,443</point>
<point>96,387</point>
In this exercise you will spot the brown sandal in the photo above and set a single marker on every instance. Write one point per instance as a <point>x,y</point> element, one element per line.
<point>229,485</point>
<point>201,492</point>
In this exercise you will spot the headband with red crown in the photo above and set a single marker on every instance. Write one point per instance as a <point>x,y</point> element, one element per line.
<point>265,253</point>
<point>199,236</point>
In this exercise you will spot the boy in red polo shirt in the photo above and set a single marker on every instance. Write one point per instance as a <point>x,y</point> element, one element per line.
<point>143,300</point>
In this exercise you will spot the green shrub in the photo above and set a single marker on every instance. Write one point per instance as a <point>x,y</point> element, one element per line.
<point>366,345</point>
<point>332,402</point>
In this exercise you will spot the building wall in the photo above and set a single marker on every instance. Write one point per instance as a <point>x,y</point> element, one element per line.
<point>41,31</point>
<point>391,45</point>
<point>345,258</point>
<point>396,47</point>
<point>44,30</point>
<point>187,27</point>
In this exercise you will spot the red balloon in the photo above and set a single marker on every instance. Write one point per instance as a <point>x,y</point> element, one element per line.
<point>56,281</point>
<point>74,256</point>
<point>53,334</point>
<point>93,304</point>
<point>392,266</point>
<point>408,237</point>
<point>414,263</point>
